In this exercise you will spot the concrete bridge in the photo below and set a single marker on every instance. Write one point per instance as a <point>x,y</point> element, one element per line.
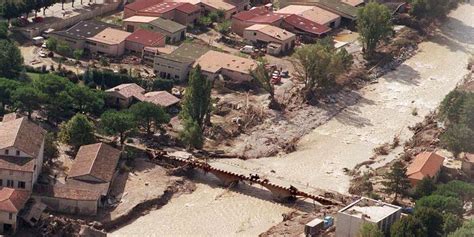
<point>232,178</point>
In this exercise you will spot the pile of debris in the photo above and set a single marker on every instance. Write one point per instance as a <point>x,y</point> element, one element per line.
<point>52,225</point>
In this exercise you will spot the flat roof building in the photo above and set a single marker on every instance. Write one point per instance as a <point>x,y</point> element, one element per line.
<point>314,14</point>
<point>232,67</point>
<point>259,34</point>
<point>141,38</point>
<point>77,35</point>
<point>110,41</point>
<point>134,23</point>
<point>350,218</point>
<point>173,31</point>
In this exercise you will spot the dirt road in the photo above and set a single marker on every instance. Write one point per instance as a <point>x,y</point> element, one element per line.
<point>384,111</point>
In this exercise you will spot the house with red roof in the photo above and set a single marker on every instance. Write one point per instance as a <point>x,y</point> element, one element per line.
<point>12,202</point>
<point>307,29</point>
<point>425,164</point>
<point>182,12</point>
<point>142,38</point>
<point>257,15</point>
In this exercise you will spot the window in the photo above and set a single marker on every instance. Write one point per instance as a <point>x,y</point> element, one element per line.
<point>1,182</point>
<point>6,151</point>
<point>254,33</point>
<point>10,215</point>
<point>21,184</point>
<point>10,183</point>
<point>17,153</point>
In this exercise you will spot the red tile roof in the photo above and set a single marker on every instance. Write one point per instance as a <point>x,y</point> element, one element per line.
<point>306,25</point>
<point>128,90</point>
<point>425,164</point>
<point>22,134</point>
<point>12,200</point>
<point>267,18</point>
<point>252,13</point>
<point>162,7</point>
<point>146,38</point>
<point>97,160</point>
<point>23,164</point>
<point>188,8</point>
<point>142,4</point>
<point>161,98</point>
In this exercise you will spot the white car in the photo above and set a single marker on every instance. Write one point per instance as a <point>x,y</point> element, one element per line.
<point>44,46</point>
<point>43,54</point>
<point>247,49</point>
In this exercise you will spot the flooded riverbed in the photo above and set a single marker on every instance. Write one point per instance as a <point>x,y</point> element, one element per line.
<point>384,111</point>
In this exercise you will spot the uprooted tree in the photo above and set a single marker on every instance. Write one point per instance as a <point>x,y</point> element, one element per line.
<point>318,65</point>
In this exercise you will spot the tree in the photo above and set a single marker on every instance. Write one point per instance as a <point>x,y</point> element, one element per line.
<point>160,84</point>
<point>26,99</point>
<point>38,4</point>
<point>192,135</point>
<point>52,43</point>
<point>57,101</point>
<point>431,219</point>
<point>28,6</point>
<point>318,65</point>
<point>78,54</point>
<point>425,187</point>
<point>213,16</point>
<point>146,114</point>
<point>47,4</point>
<point>11,60</point>
<point>408,227</point>
<point>429,8</point>
<point>373,24</point>
<point>77,131</point>
<point>86,100</point>
<point>204,21</point>
<point>120,123</point>
<point>7,87</point>
<point>50,147</point>
<point>10,10</point>
<point>451,107</point>
<point>63,48</point>
<point>451,223</point>
<point>442,204</point>
<point>197,99</point>
<point>457,189</point>
<point>368,229</point>
<point>457,138</point>
<point>396,181</point>
<point>466,230</point>
<point>224,27</point>
<point>3,30</point>
<point>263,78</point>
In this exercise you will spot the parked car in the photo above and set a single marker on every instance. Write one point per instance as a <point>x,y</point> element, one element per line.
<point>42,54</point>
<point>247,49</point>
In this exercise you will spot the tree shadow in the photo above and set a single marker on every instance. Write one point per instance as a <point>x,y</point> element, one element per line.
<point>458,31</point>
<point>404,74</point>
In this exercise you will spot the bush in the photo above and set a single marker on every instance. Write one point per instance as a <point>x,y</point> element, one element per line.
<point>442,204</point>
<point>162,84</point>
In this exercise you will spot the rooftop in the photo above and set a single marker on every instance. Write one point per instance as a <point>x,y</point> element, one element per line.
<point>12,200</point>
<point>335,6</point>
<point>425,164</point>
<point>214,61</point>
<point>161,98</point>
<point>267,18</point>
<point>353,3</point>
<point>272,31</point>
<point>22,134</point>
<point>111,36</point>
<point>127,90</point>
<point>370,209</point>
<point>218,4</point>
<point>162,7</point>
<point>320,15</point>
<point>141,4</point>
<point>97,160</point>
<point>187,52</point>
<point>306,25</point>
<point>188,8</point>
<point>252,13</point>
<point>167,25</point>
<point>294,9</point>
<point>145,37</point>
<point>84,29</point>
<point>140,19</point>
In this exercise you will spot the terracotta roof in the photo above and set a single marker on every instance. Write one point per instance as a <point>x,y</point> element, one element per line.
<point>140,19</point>
<point>24,164</point>
<point>319,15</point>
<point>146,38</point>
<point>294,9</point>
<point>65,191</point>
<point>306,25</point>
<point>252,13</point>
<point>218,4</point>
<point>128,90</point>
<point>272,31</point>
<point>161,98</point>
<point>102,188</point>
<point>111,36</point>
<point>162,7</point>
<point>10,117</point>
<point>425,164</point>
<point>188,8</point>
<point>214,61</point>
<point>142,4</point>
<point>267,18</point>
<point>97,160</point>
<point>22,134</point>
<point>12,200</point>
<point>469,157</point>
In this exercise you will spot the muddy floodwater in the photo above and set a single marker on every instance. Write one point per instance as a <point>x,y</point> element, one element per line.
<point>384,111</point>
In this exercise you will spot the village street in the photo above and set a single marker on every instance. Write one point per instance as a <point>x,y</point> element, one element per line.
<point>385,110</point>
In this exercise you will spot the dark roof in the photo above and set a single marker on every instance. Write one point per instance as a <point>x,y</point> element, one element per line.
<point>161,98</point>
<point>22,134</point>
<point>188,8</point>
<point>142,4</point>
<point>252,13</point>
<point>146,38</point>
<point>167,25</point>
<point>12,200</point>
<point>23,164</point>
<point>85,29</point>
<point>97,160</point>
<point>127,90</point>
<point>66,192</point>
<point>306,25</point>
<point>187,52</point>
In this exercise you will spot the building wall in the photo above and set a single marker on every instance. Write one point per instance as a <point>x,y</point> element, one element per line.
<point>5,219</point>
<point>39,163</point>
<point>228,14</point>
<point>468,168</point>
<point>242,5</point>
<point>16,177</point>
<point>171,69</point>
<point>138,48</point>
<point>348,226</point>
<point>76,207</point>
<point>131,27</point>
<point>236,77</point>
<point>171,37</point>
<point>114,50</point>
<point>186,19</point>
<point>254,36</point>
<point>123,103</point>
<point>71,42</point>
<point>239,26</point>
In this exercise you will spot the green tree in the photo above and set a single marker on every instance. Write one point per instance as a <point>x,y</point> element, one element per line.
<point>213,16</point>
<point>3,30</point>
<point>396,181</point>
<point>457,189</point>
<point>146,114</point>
<point>429,8</point>
<point>431,219</point>
<point>57,101</point>
<point>192,135</point>
<point>408,227</point>
<point>466,230</point>
<point>47,4</point>
<point>263,78</point>
<point>196,104</point>
<point>318,65</point>
<point>86,100</point>
<point>204,21</point>
<point>26,99</point>
<point>224,27</point>
<point>52,43</point>
<point>458,138</point>
<point>77,131</point>
<point>374,24</point>
<point>11,60</point>
<point>120,123</point>
<point>63,48</point>
<point>7,87</point>
<point>28,6</point>
<point>442,204</point>
<point>10,10</point>
<point>451,223</point>
<point>160,84</point>
<point>50,147</point>
<point>368,229</point>
<point>425,187</point>
<point>78,54</point>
